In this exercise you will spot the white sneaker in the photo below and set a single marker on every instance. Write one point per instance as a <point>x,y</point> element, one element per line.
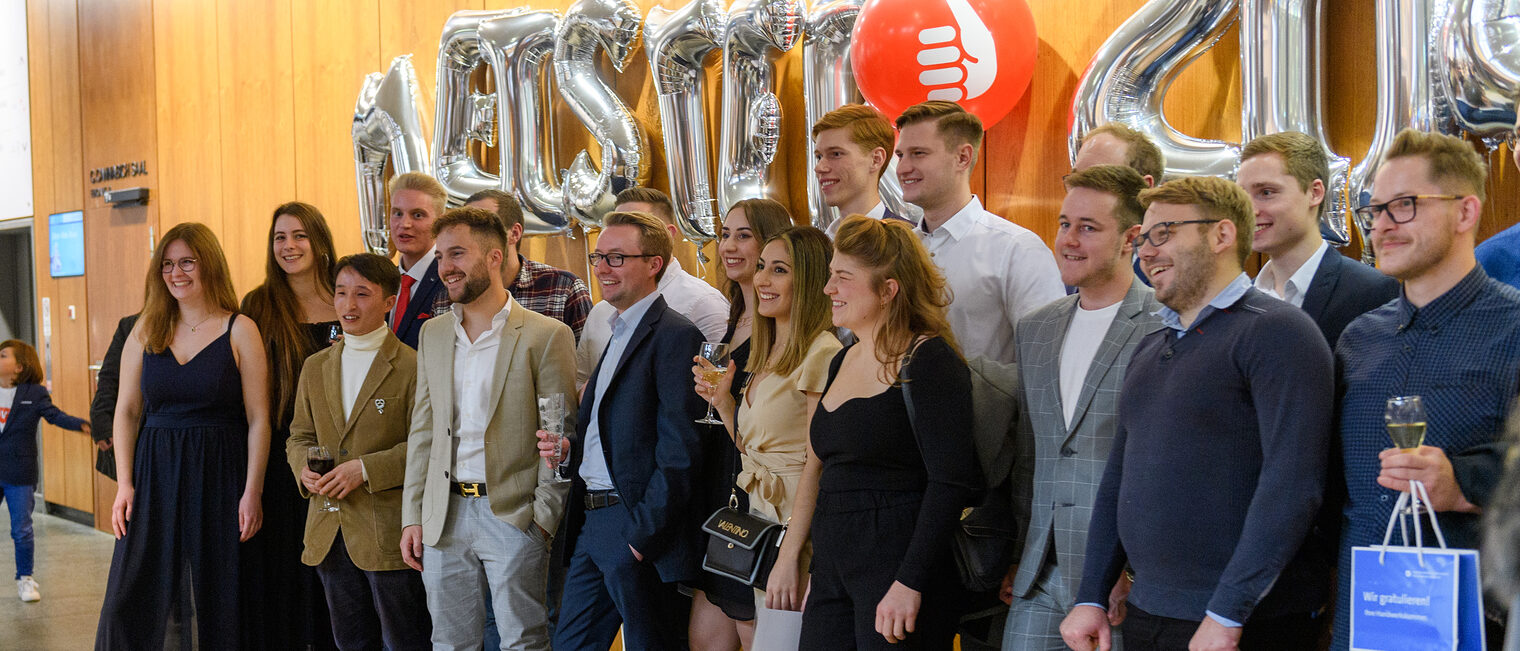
<point>26,587</point>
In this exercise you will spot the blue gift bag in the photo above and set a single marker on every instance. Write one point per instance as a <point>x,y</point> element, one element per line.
<point>1414,598</point>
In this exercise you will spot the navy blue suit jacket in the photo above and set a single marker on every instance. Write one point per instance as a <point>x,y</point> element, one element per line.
<point>18,439</point>
<point>650,439</point>
<point>1344,289</point>
<point>419,308</point>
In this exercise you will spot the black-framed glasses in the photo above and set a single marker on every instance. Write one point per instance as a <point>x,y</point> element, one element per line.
<point>186,265</point>
<point>1401,210</point>
<point>616,259</point>
<point>1160,233</point>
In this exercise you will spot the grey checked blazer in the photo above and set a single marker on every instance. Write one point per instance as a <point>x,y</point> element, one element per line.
<point>1069,463</point>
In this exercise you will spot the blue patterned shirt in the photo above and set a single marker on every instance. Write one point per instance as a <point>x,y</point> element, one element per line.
<point>1461,354</point>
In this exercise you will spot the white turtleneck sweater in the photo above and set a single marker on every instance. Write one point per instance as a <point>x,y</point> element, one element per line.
<point>358,355</point>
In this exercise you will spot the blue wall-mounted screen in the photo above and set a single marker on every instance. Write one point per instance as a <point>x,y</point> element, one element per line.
<point>66,244</point>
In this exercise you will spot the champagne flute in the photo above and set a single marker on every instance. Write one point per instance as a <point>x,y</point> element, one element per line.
<point>551,419</point>
<point>1405,419</point>
<point>320,460</point>
<point>717,353</point>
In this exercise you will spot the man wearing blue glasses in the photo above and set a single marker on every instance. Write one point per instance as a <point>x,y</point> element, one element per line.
<point>1452,338</point>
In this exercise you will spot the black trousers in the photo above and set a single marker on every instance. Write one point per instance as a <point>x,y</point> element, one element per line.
<point>369,608</point>
<point>1146,632</point>
<point>859,541</point>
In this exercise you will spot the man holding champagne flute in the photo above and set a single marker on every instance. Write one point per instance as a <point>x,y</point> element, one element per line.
<point>478,508</point>
<point>347,448</point>
<point>633,526</point>
<point>1452,338</point>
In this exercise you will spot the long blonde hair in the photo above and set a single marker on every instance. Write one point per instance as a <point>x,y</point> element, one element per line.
<point>811,252</point>
<point>892,252</point>
<point>160,309</point>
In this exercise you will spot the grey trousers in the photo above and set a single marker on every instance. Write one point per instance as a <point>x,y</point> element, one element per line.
<point>1034,622</point>
<point>478,552</point>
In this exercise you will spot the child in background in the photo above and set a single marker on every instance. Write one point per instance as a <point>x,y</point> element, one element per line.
<point>23,400</point>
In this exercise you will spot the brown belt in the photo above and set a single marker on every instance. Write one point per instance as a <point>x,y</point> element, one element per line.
<point>468,489</point>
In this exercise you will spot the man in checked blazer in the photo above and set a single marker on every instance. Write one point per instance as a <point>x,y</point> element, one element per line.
<point>355,399</point>
<point>1073,353</point>
<point>478,507</point>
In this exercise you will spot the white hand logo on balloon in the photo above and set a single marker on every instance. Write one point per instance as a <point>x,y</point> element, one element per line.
<point>960,61</point>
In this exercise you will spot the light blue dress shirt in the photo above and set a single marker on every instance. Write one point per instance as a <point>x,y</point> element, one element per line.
<point>1225,298</point>
<point>593,469</point>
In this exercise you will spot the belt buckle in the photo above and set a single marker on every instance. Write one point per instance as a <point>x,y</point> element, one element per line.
<point>469,490</point>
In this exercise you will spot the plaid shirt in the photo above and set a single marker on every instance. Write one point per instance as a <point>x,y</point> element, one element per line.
<point>554,293</point>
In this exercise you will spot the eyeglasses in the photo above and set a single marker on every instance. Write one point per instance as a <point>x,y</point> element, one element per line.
<point>186,265</point>
<point>1401,210</point>
<point>1160,233</point>
<point>616,259</point>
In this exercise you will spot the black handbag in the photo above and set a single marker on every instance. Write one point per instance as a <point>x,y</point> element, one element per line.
<point>741,546</point>
<point>984,542</point>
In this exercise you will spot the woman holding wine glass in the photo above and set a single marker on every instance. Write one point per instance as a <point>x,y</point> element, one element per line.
<point>792,346</point>
<point>190,482</point>
<point>720,608</point>
<point>892,484</point>
<point>293,309</point>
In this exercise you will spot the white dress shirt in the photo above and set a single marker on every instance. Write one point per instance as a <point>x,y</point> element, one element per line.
<point>877,212</point>
<point>593,468</point>
<point>998,271</point>
<point>688,295</point>
<point>418,270</point>
<point>1298,283</point>
<point>474,367</point>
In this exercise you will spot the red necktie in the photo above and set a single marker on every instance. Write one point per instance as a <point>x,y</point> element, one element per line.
<point>402,299</point>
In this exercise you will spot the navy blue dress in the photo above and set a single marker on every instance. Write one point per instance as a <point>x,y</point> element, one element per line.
<point>175,572</point>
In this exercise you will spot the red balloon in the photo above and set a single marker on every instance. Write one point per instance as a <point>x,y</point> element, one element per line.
<point>978,53</point>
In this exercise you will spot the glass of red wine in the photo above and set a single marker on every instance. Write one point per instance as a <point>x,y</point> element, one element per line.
<point>320,460</point>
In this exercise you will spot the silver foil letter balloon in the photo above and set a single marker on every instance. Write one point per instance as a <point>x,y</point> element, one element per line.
<point>462,116</point>
<point>678,41</point>
<point>590,26</point>
<point>1128,78</point>
<point>519,48</point>
<point>759,31</point>
<point>829,83</point>
<point>1481,47</point>
<point>1406,90</point>
<point>387,127</point>
<point>1282,63</point>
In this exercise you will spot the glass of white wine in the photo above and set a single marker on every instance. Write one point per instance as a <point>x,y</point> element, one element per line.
<point>551,419</point>
<point>1405,417</point>
<point>717,353</point>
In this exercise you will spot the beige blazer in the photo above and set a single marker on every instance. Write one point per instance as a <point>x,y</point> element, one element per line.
<point>375,432</point>
<point>536,357</point>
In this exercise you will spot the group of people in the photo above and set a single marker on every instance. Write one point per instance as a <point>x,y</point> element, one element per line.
<point>1201,456</point>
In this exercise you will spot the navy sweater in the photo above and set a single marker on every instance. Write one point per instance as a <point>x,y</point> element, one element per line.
<point>1218,465</point>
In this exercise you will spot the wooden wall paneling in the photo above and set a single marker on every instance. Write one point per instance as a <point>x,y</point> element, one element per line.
<point>119,124</point>
<point>334,45</point>
<point>185,61</point>
<point>257,107</point>
<point>53,60</point>
<point>408,27</point>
